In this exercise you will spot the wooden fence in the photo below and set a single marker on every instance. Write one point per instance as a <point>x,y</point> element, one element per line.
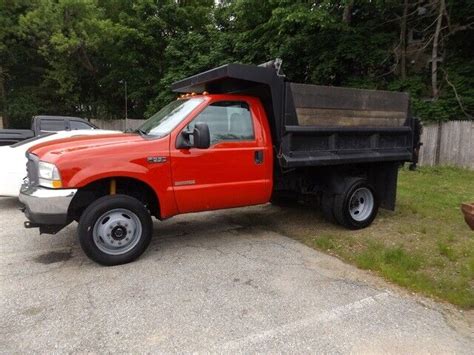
<point>449,143</point>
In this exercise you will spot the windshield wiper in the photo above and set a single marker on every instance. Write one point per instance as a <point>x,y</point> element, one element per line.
<point>141,131</point>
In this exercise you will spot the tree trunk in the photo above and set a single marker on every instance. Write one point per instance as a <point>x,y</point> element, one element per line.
<point>403,42</point>
<point>3,99</point>
<point>347,14</point>
<point>434,53</point>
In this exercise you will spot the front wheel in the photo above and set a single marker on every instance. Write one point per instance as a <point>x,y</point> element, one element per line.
<point>115,230</point>
<point>357,206</point>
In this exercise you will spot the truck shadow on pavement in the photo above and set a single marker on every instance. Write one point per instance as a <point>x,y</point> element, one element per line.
<point>53,257</point>
<point>239,221</point>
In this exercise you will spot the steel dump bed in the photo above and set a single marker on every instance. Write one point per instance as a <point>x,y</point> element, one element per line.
<point>316,125</point>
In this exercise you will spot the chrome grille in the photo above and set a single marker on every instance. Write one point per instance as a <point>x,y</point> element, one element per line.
<point>32,170</point>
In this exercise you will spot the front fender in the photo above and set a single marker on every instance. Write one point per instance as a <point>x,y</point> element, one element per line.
<point>157,177</point>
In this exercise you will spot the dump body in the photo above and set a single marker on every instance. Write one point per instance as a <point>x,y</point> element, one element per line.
<point>331,125</point>
<point>318,125</point>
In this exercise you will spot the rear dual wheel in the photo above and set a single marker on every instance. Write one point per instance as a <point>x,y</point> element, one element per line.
<point>115,230</point>
<point>354,208</point>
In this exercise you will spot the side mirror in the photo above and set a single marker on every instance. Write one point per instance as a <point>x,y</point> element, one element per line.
<point>201,137</point>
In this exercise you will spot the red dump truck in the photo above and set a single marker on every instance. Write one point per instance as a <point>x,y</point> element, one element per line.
<point>239,135</point>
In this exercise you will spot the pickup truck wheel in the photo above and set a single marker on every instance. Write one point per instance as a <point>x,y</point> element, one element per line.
<point>115,230</point>
<point>357,207</point>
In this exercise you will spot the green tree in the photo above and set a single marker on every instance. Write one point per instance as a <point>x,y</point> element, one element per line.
<point>73,56</point>
<point>21,68</point>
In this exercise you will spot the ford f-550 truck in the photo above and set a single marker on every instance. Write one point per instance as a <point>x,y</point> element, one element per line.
<point>249,137</point>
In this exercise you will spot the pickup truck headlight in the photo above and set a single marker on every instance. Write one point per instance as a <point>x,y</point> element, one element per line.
<point>49,175</point>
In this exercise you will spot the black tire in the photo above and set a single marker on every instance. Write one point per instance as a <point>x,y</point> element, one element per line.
<point>100,207</point>
<point>327,206</point>
<point>342,205</point>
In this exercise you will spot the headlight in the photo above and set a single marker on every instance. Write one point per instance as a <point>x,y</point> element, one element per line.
<point>49,175</point>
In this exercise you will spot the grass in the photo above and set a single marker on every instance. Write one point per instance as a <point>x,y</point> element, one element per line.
<point>424,245</point>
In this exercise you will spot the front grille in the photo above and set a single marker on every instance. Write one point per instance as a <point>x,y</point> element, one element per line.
<point>32,170</point>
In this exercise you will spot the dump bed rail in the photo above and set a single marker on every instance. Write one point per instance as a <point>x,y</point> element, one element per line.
<point>318,146</point>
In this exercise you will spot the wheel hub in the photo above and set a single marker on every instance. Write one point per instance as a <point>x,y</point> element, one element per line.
<point>117,231</point>
<point>361,204</point>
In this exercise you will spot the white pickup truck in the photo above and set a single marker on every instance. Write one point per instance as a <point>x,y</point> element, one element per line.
<point>14,160</point>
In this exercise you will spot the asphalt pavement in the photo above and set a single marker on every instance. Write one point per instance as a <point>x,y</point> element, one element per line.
<point>207,283</point>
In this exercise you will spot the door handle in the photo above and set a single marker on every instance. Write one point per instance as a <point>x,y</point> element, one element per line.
<point>258,156</point>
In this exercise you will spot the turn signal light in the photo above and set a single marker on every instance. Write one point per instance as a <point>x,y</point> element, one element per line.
<point>57,184</point>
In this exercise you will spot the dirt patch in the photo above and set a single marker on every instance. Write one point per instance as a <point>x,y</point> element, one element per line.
<point>32,311</point>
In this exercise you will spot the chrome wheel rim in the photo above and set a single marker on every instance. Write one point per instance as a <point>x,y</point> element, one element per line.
<point>117,231</point>
<point>361,204</point>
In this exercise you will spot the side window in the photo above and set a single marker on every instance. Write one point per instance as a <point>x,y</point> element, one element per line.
<point>52,125</point>
<point>79,125</point>
<point>227,121</point>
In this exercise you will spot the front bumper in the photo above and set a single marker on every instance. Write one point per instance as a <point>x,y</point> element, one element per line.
<point>45,206</point>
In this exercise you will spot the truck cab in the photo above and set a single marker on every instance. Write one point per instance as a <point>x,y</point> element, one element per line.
<point>242,140</point>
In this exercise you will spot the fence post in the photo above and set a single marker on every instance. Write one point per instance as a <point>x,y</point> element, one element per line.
<point>438,143</point>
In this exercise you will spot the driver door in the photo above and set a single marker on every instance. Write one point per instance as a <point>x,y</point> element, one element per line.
<point>236,170</point>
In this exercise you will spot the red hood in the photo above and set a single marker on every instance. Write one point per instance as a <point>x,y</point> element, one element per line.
<point>84,159</point>
<point>52,150</point>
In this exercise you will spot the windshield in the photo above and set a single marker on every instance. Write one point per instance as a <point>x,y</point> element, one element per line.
<point>163,122</point>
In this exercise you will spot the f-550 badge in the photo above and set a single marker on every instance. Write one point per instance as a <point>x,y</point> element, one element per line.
<point>153,160</point>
